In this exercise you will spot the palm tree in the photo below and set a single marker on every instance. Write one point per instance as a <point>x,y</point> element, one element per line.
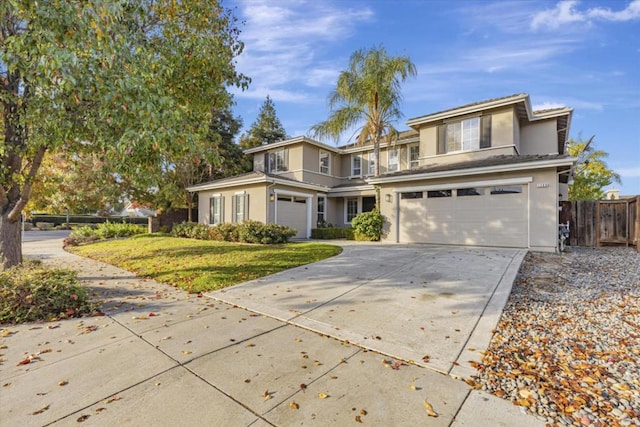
<point>369,92</point>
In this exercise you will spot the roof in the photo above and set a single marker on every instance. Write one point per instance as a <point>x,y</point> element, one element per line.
<point>490,164</point>
<point>516,97</point>
<point>294,140</point>
<point>255,177</point>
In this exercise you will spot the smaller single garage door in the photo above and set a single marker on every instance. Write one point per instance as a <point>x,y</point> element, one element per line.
<point>292,212</point>
<point>478,216</point>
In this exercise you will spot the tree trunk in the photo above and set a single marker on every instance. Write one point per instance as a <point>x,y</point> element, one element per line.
<point>10,242</point>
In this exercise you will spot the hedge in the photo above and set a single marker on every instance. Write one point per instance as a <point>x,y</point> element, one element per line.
<point>245,232</point>
<point>332,233</point>
<point>85,219</point>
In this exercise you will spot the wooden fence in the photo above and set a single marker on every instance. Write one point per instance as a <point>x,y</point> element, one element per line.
<point>602,222</point>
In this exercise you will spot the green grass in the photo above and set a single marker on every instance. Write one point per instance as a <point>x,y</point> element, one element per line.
<point>202,265</point>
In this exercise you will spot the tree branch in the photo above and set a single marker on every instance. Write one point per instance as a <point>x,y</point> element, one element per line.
<point>26,189</point>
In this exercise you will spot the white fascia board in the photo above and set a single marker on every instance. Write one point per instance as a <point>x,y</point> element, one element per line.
<point>364,148</point>
<point>292,193</point>
<point>567,111</point>
<point>468,110</point>
<point>296,140</point>
<point>475,171</point>
<point>215,185</point>
<point>468,184</point>
<point>349,189</point>
<point>299,184</point>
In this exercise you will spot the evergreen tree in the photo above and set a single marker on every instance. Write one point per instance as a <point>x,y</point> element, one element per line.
<point>222,132</point>
<point>267,128</point>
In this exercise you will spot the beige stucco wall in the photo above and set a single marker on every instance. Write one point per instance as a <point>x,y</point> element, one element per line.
<point>543,204</point>
<point>503,132</point>
<point>516,132</point>
<point>539,137</point>
<point>257,202</point>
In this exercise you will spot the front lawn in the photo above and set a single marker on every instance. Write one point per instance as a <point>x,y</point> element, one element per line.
<point>203,265</point>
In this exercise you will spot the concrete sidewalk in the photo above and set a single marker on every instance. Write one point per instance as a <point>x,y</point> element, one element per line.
<point>163,357</point>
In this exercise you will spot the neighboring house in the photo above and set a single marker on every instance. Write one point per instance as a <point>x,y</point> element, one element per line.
<point>487,174</point>
<point>135,209</point>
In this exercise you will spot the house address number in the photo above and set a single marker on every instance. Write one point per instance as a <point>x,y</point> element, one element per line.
<point>543,185</point>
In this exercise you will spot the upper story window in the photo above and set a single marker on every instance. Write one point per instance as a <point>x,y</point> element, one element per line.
<point>278,161</point>
<point>465,135</point>
<point>356,165</point>
<point>393,160</point>
<point>371,163</point>
<point>325,160</point>
<point>413,154</point>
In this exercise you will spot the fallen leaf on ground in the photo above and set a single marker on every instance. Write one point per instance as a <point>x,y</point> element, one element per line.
<point>358,419</point>
<point>24,361</point>
<point>294,405</point>
<point>363,412</point>
<point>41,410</point>
<point>186,352</point>
<point>112,399</point>
<point>83,418</point>
<point>63,383</point>
<point>429,409</point>
<point>323,395</point>
<point>266,395</point>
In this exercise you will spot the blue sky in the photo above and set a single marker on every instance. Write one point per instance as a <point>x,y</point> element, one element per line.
<point>581,54</point>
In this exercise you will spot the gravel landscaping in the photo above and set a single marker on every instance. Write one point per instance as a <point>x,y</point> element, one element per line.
<point>568,344</point>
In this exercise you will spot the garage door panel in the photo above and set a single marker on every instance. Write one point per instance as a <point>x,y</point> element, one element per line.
<point>294,215</point>
<point>483,220</point>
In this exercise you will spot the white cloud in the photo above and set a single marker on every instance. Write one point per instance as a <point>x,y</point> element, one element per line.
<point>566,12</point>
<point>629,172</point>
<point>284,39</point>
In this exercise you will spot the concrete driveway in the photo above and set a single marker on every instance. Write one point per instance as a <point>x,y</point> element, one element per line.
<point>431,305</point>
<point>196,361</point>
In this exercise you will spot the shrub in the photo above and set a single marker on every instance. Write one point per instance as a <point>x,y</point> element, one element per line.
<point>245,232</point>
<point>332,233</point>
<point>367,226</point>
<point>109,230</point>
<point>31,292</point>
<point>191,230</point>
<point>226,232</point>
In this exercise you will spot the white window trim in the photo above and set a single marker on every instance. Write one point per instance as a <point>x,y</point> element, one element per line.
<point>216,196</point>
<point>353,157</point>
<point>371,162</point>
<point>462,149</point>
<point>417,161</point>
<point>244,214</point>
<point>324,153</point>
<point>346,207</point>
<point>324,213</point>
<point>397,157</point>
<point>275,153</point>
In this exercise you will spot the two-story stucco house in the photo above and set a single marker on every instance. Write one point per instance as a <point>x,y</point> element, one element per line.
<point>487,174</point>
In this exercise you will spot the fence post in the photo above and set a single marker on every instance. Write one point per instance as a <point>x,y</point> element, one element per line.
<point>153,224</point>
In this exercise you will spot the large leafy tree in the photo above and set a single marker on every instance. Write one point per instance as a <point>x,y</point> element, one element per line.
<point>267,128</point>
<point>76,183</point>
<point>129,81</point>
<point>590,174</point>
<point>216,156</point>
<point>367,96</point>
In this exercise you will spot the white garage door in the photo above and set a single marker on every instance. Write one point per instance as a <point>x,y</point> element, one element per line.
<point>483,216</point>
<point>292,212</point>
